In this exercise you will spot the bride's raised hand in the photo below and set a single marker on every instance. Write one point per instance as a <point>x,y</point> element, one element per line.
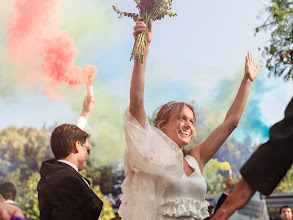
<point>251,69</point>
<point>140,27</point>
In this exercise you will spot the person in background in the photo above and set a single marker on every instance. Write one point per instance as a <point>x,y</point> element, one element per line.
<point>7,192</point>
<point>285,213</point>
<point>226,192</point>
<point>10,212</point>
<point>211,210</point>
<point>8,209</point>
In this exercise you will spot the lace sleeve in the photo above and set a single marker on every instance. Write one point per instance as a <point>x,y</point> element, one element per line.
<point>150,150</point>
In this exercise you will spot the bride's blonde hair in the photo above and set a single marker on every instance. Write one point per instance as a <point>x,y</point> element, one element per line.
<point>166,110</point>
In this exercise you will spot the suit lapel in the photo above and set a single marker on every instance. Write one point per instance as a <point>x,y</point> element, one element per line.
<point>97,201</point>
<point>72,169</point>
<point>87,180</point>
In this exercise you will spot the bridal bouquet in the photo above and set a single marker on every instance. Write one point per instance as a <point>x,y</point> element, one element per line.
<point>148,10</point>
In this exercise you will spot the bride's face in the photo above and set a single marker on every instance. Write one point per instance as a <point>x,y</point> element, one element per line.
<point>180,126</point>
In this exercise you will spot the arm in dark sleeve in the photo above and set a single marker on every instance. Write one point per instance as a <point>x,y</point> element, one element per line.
<point>221,201</point>
<point>271,161</point>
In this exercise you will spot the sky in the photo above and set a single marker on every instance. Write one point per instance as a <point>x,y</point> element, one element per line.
<point>196,57</point>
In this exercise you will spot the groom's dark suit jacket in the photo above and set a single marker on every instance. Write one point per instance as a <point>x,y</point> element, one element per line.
<point>63,194</point>
<point>270,163</point>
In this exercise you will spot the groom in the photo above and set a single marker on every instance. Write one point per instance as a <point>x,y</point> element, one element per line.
<point>63,193</point>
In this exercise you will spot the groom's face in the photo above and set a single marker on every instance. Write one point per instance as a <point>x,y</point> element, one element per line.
<point>82,154</point>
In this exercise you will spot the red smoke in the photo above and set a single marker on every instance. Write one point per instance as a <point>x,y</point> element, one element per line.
<point>59,55</point>
<point>35,39</point>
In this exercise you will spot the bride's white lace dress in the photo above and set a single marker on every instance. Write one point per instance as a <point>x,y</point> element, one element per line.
<point>156,186</point>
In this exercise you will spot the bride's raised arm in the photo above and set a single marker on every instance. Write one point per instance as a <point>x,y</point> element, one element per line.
<point>136,106</point>
<point>206,150</point>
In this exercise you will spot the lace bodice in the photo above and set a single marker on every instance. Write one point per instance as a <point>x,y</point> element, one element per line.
<point>151,161</point>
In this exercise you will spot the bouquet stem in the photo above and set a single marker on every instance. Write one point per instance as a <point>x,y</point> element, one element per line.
<point>140,44</point>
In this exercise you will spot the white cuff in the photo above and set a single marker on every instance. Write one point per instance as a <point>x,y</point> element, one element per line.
<point>227,194</point>
<point>81,122</point>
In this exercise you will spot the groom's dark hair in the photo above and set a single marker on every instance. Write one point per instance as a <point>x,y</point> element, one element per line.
<point>63,139</point>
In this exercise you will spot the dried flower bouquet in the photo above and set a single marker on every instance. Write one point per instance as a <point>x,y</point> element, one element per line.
<point>148,10</point>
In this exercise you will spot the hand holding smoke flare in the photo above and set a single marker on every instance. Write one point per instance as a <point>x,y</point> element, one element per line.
<point>230,173</point>
<point>89,89</point>
<point>148,10</point>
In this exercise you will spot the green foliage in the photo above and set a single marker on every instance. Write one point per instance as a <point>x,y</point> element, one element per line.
<point>215,180</point>
<point>28,196</point>
<point>23,148</point>
<point>101,176</point>
<point>286,184</point>
<point>108,178</point>
<point>151,119</point>
<point>107,212</point>
<point>279,52</point>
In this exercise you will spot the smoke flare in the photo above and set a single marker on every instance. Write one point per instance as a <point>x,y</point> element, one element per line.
<point>220,165</point>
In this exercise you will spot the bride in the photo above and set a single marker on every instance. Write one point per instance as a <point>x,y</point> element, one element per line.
<point>161,183</point>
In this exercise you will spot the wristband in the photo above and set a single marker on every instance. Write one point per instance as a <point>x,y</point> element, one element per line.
<point>16,218</point>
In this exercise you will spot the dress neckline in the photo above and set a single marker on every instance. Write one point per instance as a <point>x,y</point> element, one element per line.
<point>193,166</point>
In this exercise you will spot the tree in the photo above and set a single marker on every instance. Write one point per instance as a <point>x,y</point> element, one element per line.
<point>23,148</point>
<point>279,54</point>
<point>109,180</point>
<point>28,196</point>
